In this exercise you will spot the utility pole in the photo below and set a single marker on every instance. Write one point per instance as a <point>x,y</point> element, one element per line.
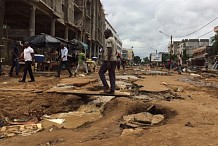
<point>2,10</point>
<point>171,46</point>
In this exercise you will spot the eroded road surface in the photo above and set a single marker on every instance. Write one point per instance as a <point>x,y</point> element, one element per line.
<point>149,108</point>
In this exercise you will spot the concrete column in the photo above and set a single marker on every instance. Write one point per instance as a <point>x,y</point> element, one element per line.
<point>90,49</point>
<point>32,21</point>
<point>52,29</point>
<point>66,33</point>
<point>95,50</point>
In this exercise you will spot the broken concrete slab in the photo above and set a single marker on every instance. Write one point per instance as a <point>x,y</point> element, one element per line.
<point>91,93</point>
<point>24,130</point>
<point>157,119</point>
<point>157,73</point>
<point>141,120</point>
<point>127,77</point>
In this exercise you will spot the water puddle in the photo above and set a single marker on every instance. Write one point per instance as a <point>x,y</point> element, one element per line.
<point>85,114</point>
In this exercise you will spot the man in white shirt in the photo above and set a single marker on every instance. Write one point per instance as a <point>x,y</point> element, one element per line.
<point>63,61</point>
<point>28,55</point>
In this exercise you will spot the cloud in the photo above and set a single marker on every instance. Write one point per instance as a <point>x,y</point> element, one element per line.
<point>138,22</point>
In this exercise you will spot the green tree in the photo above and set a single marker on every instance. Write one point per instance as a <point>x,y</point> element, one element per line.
<point>146,60</point>
<point>137,59</point>
<point>185,56</point>
<point>165,57</point>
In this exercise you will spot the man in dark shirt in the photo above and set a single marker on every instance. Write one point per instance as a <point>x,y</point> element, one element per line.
<point>15,59</point>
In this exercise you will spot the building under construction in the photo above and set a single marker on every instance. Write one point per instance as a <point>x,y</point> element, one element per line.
<point>83,20</point>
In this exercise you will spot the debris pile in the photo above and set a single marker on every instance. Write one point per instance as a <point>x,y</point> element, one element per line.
<point>141,120</point>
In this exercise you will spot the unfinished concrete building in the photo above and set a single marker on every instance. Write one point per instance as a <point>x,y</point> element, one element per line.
<point>69,19</point>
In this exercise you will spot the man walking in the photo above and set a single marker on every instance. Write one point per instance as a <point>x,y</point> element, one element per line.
<point>63,61</point>
<point>81,61</point>
<point>15,59</point>
<point>28,55</point>
<point>109,62</point>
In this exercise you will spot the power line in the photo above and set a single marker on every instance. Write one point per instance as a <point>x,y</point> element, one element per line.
<point>198,29</point>
<point>204,34</point>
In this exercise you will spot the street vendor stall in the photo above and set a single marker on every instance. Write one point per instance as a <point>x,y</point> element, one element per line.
<point>46,51</point>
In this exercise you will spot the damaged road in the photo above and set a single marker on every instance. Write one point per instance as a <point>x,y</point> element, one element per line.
<point>146,110</point>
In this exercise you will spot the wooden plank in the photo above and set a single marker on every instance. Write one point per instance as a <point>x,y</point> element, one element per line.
<point>96,93</point>
<point>22,90</point>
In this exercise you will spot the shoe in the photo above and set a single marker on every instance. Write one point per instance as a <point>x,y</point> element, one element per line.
<point>57,76</point>
<point>10,76</point>
<point>21,81</point>
<point>74,74</point>
<point>106,90</point>
<point>110,92</point>
<point>70,75</point>
<point>31,81</point>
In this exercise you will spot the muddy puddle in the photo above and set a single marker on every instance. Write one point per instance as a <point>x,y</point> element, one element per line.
<point>72,119</point>
<point>85,114</point>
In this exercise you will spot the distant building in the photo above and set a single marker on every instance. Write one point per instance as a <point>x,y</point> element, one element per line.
<point>124,53</point>
<point>175,47</point>
<point>116,36</point>
<point>189,45</point>
<point>130,54</point>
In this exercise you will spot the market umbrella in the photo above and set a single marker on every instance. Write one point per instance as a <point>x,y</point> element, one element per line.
<point>43,40</point>
<point>79,44</point>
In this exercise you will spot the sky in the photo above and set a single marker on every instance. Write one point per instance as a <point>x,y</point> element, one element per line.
<point>138,22</point>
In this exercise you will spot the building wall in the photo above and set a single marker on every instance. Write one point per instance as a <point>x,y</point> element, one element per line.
<point>191,44</point>
<point>130,54</point>
<point>70,19</point>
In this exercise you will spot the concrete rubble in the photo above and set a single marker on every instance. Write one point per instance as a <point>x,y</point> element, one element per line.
<point>141,120</point>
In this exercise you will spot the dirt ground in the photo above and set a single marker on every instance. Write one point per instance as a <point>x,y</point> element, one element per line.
<point>192,121</point>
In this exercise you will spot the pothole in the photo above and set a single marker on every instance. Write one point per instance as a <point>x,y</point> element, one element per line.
<point>88,112</point>
<point>140,119</point>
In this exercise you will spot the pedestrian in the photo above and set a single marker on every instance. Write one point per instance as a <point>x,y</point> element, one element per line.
<point>63,60</point>
<point>81,62</point>
<point>180,64</point>
<point>15,58</point>
<point>28,55</point>
<point>123,63</point>
<point>109,62</point>
<point>118,61</point>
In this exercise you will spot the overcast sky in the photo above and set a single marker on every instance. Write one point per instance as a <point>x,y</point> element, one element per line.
<point>138,22</point>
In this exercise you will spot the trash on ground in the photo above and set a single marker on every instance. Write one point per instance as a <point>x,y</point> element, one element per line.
<point>24,130</point>
<point>195,75</point>
<point>163,83</point>
<point>58,121</point>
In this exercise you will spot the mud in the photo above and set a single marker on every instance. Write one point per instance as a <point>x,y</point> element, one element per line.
<point>190,121</point>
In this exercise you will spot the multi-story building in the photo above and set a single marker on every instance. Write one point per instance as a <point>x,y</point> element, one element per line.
<point>116,36</point>
<point>175,47</point>
<point>124,53</point>
<point>78,19</point>
<point>189,44</point>
<point>128,54</point>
